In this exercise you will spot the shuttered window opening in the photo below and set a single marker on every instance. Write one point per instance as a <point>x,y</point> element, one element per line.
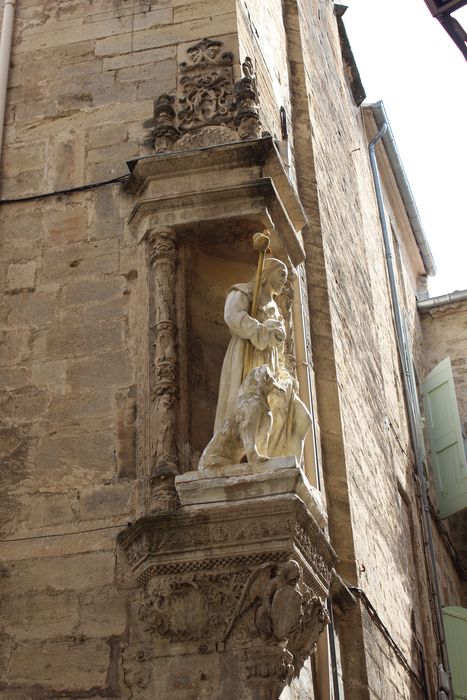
<point>455,626</point>
<point>446,439</point>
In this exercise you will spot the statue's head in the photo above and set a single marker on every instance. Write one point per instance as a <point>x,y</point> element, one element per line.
<point>274,273</point>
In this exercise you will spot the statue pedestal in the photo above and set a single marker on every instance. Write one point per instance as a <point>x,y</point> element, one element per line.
<point>239,482</point>
<point>233,582</point>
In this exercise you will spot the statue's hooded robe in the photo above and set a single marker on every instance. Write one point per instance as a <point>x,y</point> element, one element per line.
<point>291,419</point>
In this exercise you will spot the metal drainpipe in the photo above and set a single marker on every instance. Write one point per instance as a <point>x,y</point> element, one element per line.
<point>425,510</point>
<point>5,51</point>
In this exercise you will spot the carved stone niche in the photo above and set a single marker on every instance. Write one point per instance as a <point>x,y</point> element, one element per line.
<point>194,213</point>
<point>233,566</point>
<point>235,586</point>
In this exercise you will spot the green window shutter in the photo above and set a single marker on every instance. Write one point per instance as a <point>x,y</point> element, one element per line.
<point>455,627</point>
<point>447,444</point>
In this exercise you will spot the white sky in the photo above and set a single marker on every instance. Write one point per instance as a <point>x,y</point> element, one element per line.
<point>407,59</point>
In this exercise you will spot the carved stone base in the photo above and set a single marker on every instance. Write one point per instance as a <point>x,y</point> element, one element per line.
<point>232,585</point>
<point>164,496</point>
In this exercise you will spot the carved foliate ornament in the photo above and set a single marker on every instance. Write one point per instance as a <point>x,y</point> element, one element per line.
<point>192,606</point>
<point>211,108</point>
<point>206,87</point>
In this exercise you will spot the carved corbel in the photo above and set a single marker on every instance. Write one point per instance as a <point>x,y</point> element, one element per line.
<point>274,628</point>
<point>164,393</point>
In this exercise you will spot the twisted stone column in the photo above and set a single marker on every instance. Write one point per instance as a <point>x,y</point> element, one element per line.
<point>164,465</point>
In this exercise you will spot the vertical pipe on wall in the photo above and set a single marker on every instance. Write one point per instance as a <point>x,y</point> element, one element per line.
<point>5,51</point>
<point>425,510</point>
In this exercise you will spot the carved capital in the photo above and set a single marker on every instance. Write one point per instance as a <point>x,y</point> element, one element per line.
<point>163,247</point>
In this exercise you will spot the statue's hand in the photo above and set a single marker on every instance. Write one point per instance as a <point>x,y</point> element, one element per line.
<point>276,329</point>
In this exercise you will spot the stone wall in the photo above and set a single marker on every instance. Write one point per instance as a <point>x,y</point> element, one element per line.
<point>80,103</point>
<point>82,85</point>
<point>368,464</point>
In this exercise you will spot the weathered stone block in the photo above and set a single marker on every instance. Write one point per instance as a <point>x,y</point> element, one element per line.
<point>93,290</point>
<point>102,613</point>
<point>21,277</point>
<point>67,224</point>
<point>14,377</point>
<point>33,310</point>
<point>66,167</point>
<point>79,259</point>
<point>126,436</point>
<point>76,459</point>
<point>39,616</point>
<point>108,309</point>
<point>15,346</point>
<point>74,666</point>
<point>84,411</point>
<point>107,135</point>
<point>151,57</point>
<point>195,10</point>
<point>111,369</point>
<point>50,375</point>
<point>62,573</point>
<point>87,339</point>
<point>102,502</point>
<point>24,405</point>
<point>48,509</point>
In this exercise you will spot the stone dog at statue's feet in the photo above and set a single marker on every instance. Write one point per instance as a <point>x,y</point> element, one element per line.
<point>245,432</point>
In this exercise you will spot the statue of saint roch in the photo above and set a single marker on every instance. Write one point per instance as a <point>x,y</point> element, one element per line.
<point>259,413</point>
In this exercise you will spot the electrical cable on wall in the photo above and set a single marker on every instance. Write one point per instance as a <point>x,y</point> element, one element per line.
<point>69,190</point>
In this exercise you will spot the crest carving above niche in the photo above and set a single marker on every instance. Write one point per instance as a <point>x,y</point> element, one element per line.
<point>210,107</point>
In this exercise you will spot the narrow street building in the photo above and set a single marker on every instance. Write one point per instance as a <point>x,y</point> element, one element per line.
<point>233,425</point>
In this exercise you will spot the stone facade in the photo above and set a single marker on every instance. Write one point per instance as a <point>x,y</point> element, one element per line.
<point>122,573</point>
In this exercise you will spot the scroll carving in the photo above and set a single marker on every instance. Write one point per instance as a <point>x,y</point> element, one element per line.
<point>206,87</point>
<point>164,389</point>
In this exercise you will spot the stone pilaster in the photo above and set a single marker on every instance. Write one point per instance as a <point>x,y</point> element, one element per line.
<point>164,392</point>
